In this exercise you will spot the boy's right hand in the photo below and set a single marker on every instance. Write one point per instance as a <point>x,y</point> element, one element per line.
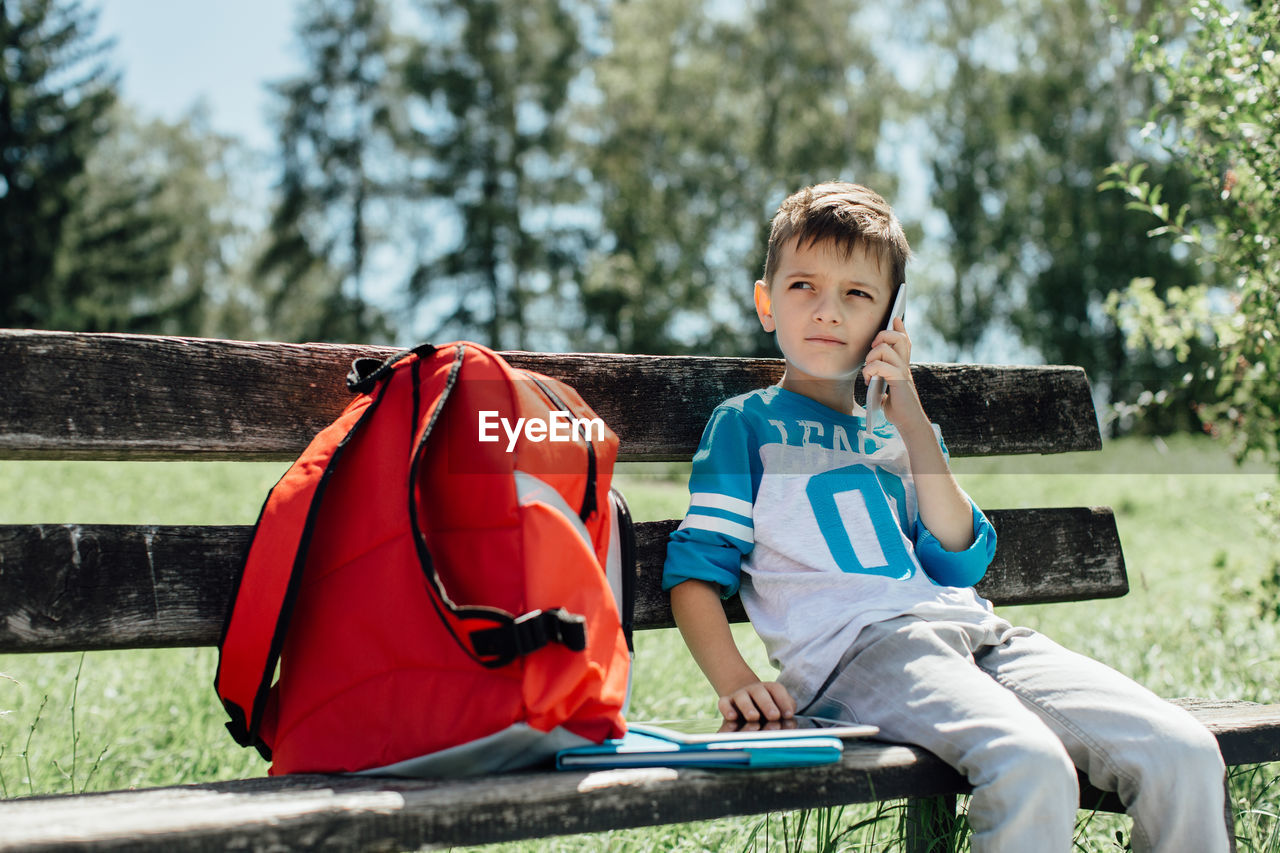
<point>758,701</point>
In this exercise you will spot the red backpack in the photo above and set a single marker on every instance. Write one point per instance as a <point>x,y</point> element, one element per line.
<point>430,576</point>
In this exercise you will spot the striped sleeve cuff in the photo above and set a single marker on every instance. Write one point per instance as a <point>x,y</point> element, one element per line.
<point>716,513</point>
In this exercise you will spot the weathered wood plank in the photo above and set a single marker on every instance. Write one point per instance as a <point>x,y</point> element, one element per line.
<point>354,813</point>
<point>99,396</point>
<point>366,814</point>
<point>1246,731</point>
<point>72,587</point>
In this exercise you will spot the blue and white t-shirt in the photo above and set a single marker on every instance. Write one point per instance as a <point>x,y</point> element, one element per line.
<point>816,521</point>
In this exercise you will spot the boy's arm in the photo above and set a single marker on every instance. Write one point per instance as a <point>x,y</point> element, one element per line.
<point>703,563</point>
<point>961,554</point>
<point>743,696</point>
<point>945,511</point>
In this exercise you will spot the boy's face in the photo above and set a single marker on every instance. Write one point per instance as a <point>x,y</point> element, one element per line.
<point>826,308</point>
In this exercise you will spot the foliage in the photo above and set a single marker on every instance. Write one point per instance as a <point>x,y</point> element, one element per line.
<point>597,174</point>
<point>572,172</point>
<point>1032,108</point>
<point>151,247</point>
<point>55,97</point>
<point>488,88</point>
<point>1221,124</point>
<point>659,176</point>
<point>108,222</point>
<point>705,121</point>
<point>111,271</point>
<point>334,130</point>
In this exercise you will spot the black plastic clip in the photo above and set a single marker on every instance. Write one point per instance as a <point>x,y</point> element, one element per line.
<point>528,633</point>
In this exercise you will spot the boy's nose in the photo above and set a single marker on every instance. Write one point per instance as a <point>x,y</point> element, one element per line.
<point>826,311</point>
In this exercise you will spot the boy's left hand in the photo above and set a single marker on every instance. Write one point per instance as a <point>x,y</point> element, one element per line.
<point>890,358</point>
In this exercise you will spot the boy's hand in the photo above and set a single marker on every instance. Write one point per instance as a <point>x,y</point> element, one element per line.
<point>758,701</point>
<point>743,696</point>
<point>890,358</point>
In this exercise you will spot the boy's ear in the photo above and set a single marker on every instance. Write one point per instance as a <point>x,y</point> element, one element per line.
<point>764,306</point>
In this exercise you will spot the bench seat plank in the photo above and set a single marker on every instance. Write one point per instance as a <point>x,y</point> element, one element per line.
<point>321,812</point>
<point>105,396</point>
<point>72,587</point>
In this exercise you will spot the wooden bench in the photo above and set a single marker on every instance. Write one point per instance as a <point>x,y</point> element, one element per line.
<point>81,586</point>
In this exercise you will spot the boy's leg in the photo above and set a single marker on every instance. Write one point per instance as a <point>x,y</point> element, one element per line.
<point>917,682</point>
<point>1165,765</point>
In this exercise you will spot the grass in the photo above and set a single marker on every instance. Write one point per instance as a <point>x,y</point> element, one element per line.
<point>1200,620</point>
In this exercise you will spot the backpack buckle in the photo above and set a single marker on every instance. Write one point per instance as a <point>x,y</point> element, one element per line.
<point>528,633</point>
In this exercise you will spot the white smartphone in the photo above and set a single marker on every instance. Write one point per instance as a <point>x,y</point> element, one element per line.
<point>875,388</point>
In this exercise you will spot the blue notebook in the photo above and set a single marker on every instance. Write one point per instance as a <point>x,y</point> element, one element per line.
<point>649,748</point>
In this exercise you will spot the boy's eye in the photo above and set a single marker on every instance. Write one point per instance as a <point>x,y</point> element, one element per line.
<point>799,284</point>
<point>858,293</point>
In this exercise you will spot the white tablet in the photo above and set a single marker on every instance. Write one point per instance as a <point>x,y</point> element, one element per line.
<point>714,729</point>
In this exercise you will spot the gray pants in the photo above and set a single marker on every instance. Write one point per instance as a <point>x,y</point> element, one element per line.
<point>1017,714</point>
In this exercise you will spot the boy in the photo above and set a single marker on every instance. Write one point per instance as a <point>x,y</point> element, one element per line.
<point>856,552</point>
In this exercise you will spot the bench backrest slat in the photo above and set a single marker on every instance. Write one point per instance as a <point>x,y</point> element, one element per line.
<point>81,396</point>
<point>72,587</point>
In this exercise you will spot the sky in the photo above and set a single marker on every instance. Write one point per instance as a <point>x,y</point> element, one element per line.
<point>174,53</point>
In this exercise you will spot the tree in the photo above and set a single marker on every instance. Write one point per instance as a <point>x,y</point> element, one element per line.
<point>201,197</point>
<point>490,84</point>
<point>1038,105</point>
<point>152,245</point>
<point>824,96</point>
<point>1220,127</point>
<point>706,120</point>
<point>56,94</point>
<point>662,156</point>
<point>338,156</point>
<point>110,223</point>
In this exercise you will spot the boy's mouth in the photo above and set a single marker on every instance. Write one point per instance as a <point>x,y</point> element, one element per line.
<point>824,339</point>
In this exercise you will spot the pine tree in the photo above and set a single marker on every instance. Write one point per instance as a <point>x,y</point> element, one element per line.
<point>708,118</point>
<point>335,148</point>
<point>491,85</point>
<point>56,93</point>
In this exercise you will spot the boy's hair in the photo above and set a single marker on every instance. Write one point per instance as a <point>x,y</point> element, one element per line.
<point>849,214</point>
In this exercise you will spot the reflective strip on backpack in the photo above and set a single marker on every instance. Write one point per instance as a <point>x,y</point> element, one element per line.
<point>530,488</point>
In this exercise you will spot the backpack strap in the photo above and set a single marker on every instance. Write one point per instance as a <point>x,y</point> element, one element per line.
<point>502,644</point>
<point>366,373</point>
<point>262,604</point>
<point>508,637</point>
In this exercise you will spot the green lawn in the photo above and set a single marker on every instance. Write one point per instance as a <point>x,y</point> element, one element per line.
<point>1194,624</point>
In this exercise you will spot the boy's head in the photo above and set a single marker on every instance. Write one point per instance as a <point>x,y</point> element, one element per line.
<point>849,215</point>
<point>836,258</point>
